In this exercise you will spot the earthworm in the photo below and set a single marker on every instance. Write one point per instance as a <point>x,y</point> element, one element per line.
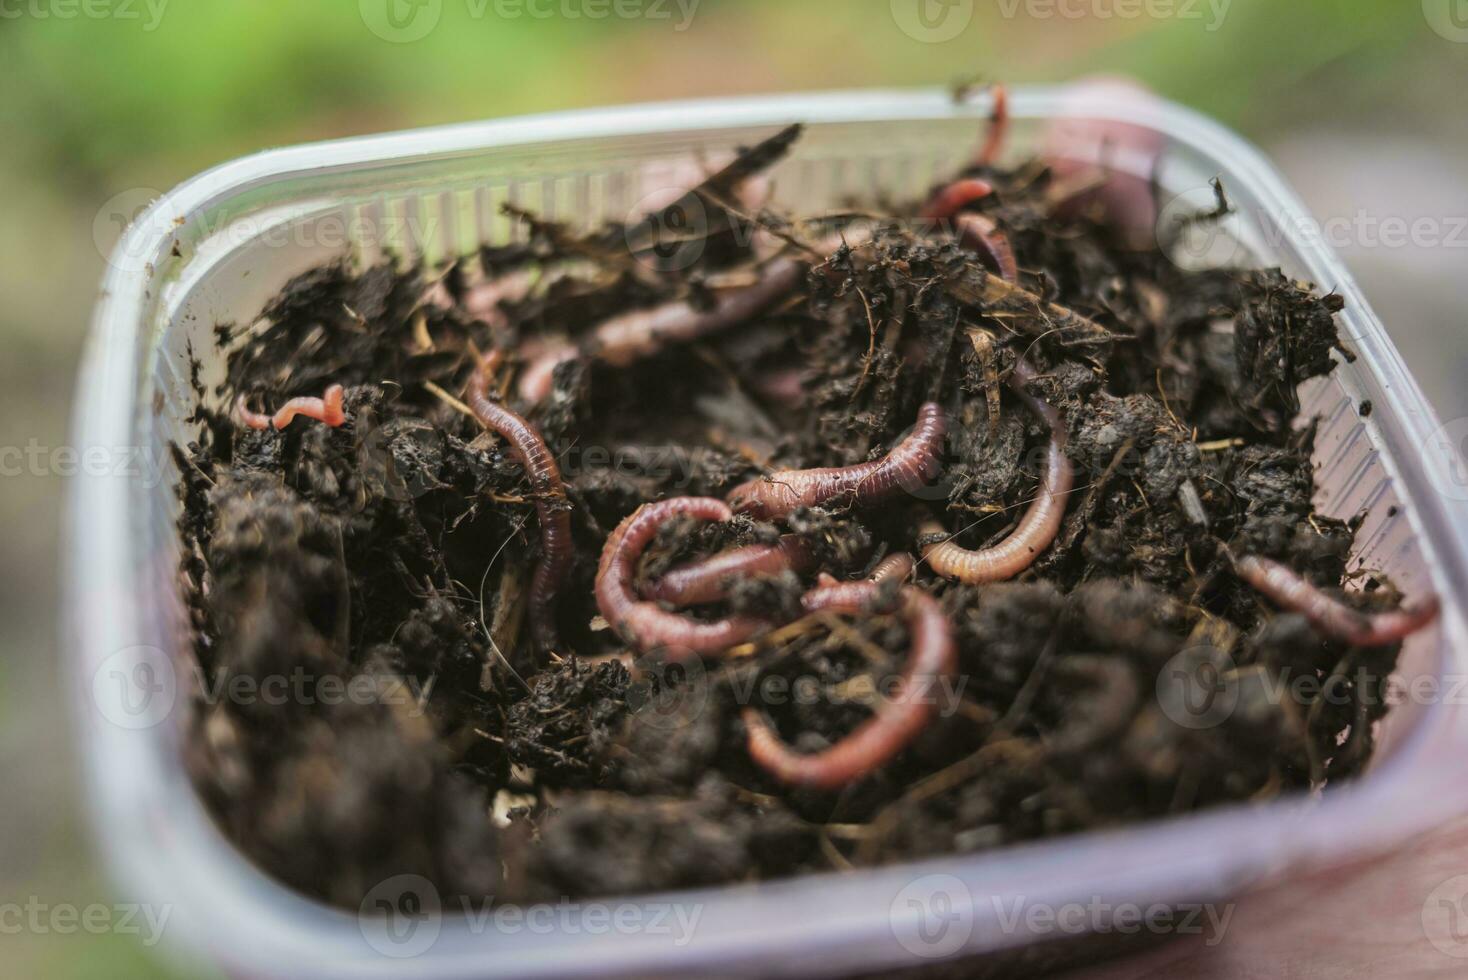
<point>632,336</point>
<point>1037,529</point>
<point>783,386</point>
<point>327,409</point>
<point>909,466</point>
<point>1081,145</point>
<point>482,300</point>
<point>638,334</point>
<point>1097,719</point>
<point>1287,588</point>
<point>708,580</point>
<point>898,567</point>
<point>895,566</point>
<point>998,128</point>
<point>980,233</point>
<point>551,506</point>
<point>641,622</point>
<point>955,197</point>
<point>932,656</point>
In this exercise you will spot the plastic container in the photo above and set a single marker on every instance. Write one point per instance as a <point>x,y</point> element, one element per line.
<point>219,246</point>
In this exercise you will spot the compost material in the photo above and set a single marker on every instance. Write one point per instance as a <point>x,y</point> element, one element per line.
<point>646,558</point>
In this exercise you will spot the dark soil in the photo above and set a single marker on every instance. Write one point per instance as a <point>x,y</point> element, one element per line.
<point>394,553</point>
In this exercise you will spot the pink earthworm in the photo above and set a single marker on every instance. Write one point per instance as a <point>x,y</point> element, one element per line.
<point>932,656</point>
<point>701,582</point>
<point>551,506</point>
<point>482,300</point>
<point>998,128</point>
<point>909,466</point>
<point>980,233</point>
<point>641,622</point>
<point>894,567</point>
<point>632,336</point>
<point>1083,144</point>
<point>327,410</point>
<point>1037,529</point>
<point>1288,589</point>
<point>955,197</point>
<point>783,386</point>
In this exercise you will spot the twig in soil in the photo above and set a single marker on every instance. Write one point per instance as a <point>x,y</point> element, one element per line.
<point>483,620</point>
<point>1037,529</point>
<point>1286,587</point>
<point>983,343</point>
<point>932,656</point>
<point>449,399</point>
<point>992,295</point>
<point>911,464</point>
<point>551,506</point>
<point>327,410</point>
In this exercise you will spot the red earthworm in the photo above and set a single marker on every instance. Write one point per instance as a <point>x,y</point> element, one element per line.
<point>955,197</point>
<point>909,466</point>
<point>976,231</point>
<point>551,506</point>
<point>482,300</point>
<point>1082,145</point>
<point>641,622</point>
<point>1287,588</point>
<point>998,128</point>
<point>980,233</point>
<point>932,656</point>
<point>1037,529</point>
<point>708,580</point>
<point>898,567</point>
<point>327,410</point>
<point>632,336</point>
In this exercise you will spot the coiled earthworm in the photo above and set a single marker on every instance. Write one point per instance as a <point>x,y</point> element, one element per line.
<point>641,622</point>
<point>1288,589</point>
<point>1037,529</point>
<point>327,409</point>
<point>632,336</point>
<point>706,581</point>
<point>551,506</point>
<point>932,656</point>
<point>909,466</point>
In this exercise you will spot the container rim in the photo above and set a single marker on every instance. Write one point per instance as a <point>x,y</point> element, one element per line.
<point>161,843</point>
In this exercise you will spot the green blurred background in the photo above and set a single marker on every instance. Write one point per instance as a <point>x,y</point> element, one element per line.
<point>1359,101</point>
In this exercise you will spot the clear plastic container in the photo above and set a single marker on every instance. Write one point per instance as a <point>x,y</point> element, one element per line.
<point>216,249</point>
